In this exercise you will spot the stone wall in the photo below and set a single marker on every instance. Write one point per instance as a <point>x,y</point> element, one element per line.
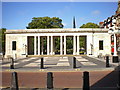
<point>21,41</point>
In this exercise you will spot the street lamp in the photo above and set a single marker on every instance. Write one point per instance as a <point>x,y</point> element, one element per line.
<point>113,30</point>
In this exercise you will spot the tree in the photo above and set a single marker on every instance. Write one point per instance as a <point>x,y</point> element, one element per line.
<point>2,39</point>
<point>89,25</point>
<point>45,22</point>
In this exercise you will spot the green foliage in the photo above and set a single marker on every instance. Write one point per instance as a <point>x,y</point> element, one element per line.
<point>89,25</point>
<point>69,45</point>
<point>45,22</point>
<point>57,43</point>
<point>2,40</point>
<point>82,41</point>
<point>69,42</point>
<point>82,45</point>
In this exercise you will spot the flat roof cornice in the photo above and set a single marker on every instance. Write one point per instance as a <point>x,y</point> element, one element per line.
<point>63,30</point>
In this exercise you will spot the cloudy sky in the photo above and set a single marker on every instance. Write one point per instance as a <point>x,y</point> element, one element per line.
<point>17,15</point>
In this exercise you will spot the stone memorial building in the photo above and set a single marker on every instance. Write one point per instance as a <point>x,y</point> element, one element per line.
<point>37,42</point>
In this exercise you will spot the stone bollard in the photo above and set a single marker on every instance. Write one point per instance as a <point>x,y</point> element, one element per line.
<point>74,62</point>
<point>42,63</point>
<point>14,81</point>
<point>12,63</point>
<point>49,80</point>
<point>86,81</point>
<point>107,61</point>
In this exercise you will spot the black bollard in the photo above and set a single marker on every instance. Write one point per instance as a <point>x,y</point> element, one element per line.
<point>86,81</point>
<point>74,62</point>
<point>42,63</point>
<point>107,61</point>
<point>12,63</point>
<point>49,80</point>
<point>14,81</point>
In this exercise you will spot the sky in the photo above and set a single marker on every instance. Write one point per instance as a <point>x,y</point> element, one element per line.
<point>17,15</point>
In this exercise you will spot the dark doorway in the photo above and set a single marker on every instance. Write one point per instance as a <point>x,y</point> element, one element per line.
<point>30,43</point>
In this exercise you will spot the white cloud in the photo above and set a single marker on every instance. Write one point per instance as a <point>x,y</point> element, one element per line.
<point>96,12</point>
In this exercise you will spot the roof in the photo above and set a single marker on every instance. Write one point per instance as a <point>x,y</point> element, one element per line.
<point>63,30</point>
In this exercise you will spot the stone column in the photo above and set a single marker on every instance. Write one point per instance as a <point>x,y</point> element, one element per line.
<point>34,45</point>
<point>38,45</point>
<point>42,46</point>
<point>61,45</point>
<point>47,45</point>
<point>74,45</point>
<point>51,45</point>
<point>78,45</point>
<point>64,45</point>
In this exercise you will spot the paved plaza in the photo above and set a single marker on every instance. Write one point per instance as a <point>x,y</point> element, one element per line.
<point>58,63</point>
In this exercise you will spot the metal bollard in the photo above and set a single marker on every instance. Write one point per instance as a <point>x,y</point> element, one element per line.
<point>74,62</point>
<point>107,61</point>
<point>49,80</point>
<point>86,81</point>
<point>14,81</point>
<point>42,63</point>
<point>12,63</point>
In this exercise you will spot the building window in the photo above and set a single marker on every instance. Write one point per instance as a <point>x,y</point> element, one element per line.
<point>101,45</point>
<point>13,45</point>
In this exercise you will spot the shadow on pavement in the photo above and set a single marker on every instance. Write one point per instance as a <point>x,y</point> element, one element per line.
<point>109,82</point>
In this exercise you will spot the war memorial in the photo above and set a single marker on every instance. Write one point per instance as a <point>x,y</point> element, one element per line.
<point>97,41</point>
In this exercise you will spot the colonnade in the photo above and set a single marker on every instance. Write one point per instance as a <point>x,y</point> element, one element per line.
<point>50,47</point>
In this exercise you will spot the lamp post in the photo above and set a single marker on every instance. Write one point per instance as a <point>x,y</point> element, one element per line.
<point>113,30</point>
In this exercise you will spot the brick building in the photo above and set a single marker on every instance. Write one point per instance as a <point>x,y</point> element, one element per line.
<point>108,24</point>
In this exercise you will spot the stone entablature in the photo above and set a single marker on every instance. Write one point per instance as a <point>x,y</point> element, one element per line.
<point>81,30</point>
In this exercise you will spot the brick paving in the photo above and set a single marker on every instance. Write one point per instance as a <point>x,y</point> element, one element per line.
<point>98,79</point>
